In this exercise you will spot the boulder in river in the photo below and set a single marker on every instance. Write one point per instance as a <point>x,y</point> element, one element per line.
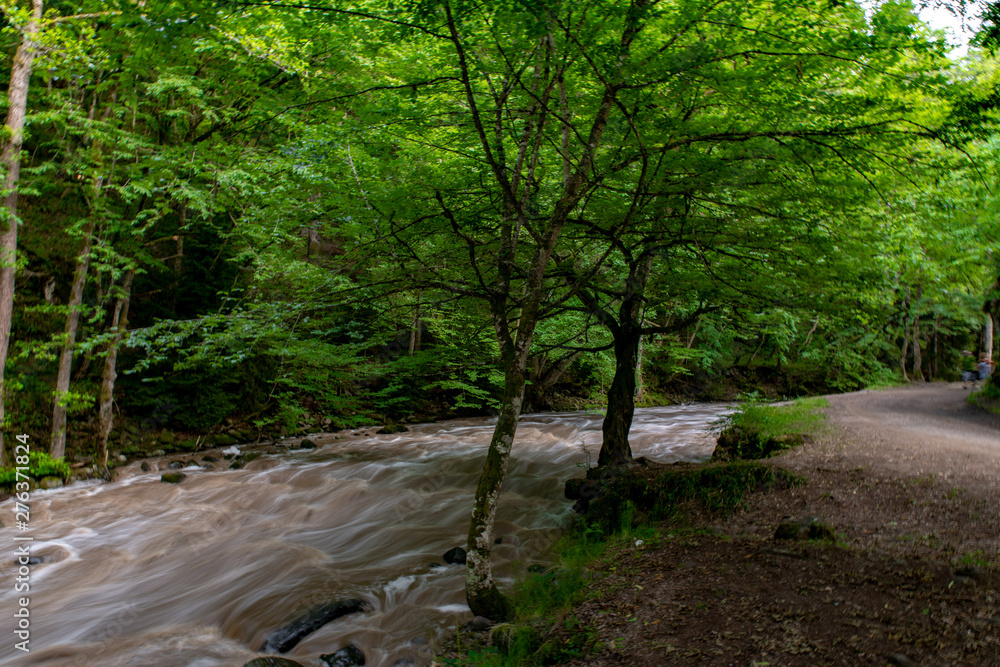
<point>270,661</point>
<point>285,638</point>
<point>349,656</point>
<point>172,477</point>
<point>455,556</point>
<point>176,465</point>
<point>390,429</point>
<point>307,444</point>
<point>50,482</point>
<point>144,467</point>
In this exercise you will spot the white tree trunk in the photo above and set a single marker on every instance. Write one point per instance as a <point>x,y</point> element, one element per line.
<point>10,158</point>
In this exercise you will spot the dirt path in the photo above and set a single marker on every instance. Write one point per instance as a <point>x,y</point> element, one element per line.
<point>910,481</point>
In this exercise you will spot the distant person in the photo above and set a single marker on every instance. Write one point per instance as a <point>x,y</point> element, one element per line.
<point>970,370</point>
<point>985,367</point>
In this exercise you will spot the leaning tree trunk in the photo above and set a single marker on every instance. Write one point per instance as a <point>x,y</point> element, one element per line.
<point>119,322</point>
<point>10,158</point>
<point>58,446</point>
<point>481,591</point>
<point>615,449</point>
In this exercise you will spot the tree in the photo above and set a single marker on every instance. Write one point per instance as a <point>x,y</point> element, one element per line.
<point>10,159</point>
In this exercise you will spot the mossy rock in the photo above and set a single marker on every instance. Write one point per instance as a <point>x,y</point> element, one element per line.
<point>188,445</point>
<point>168,438</point>
<point>172,477</point>
<point>739,443</point>
<point>390,429</point>
<point>50,482</point>
<point>221,440</point>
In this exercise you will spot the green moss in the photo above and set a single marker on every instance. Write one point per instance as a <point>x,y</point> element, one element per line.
<point>756,430</point>
<point>40,465</point>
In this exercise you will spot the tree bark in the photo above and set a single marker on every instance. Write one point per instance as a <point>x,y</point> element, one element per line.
<point>906,347</point>
<point>58,446</point>
<point>615,450</point>
<point>918,361</point>
<point>119,322</point>
<point>639,388</point>
<point>514,184</point>
<point>10,158</point>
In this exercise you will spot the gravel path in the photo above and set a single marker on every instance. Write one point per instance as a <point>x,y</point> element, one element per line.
<point>908,479</point>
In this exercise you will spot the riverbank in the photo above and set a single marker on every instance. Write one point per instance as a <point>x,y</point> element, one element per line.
<point>906,480</point>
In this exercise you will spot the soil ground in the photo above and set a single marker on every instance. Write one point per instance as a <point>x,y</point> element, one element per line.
<point>907,478</point>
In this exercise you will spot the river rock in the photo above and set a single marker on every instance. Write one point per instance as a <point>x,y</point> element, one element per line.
<point>50,482</point>
<point>172,477</point>
<point>455,556</point>
<point>390,429</point>
<point>481,624</point>
<point>307,444</point>
<point>805,528</point>
<point>157,452</point>
<point>122,458</point>
<point>349,656</point>
<point>208,459</point>
<point>176,465</point>
<point>191,463</point>
<point>144,467</point>
<point>900,660</point>
<point>286,638</point>
<point>270,661</point>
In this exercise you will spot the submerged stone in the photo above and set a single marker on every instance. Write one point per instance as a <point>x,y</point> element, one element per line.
<point>286,638</point>
<point>50,482</point>
<point>455,556</point>
<point>349,656</point>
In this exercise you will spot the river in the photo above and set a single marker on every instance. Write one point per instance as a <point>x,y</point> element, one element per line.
<point>147,574</point>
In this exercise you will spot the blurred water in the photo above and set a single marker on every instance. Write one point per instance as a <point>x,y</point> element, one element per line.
<point>142,573</point>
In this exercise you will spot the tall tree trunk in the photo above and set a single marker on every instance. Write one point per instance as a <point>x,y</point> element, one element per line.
<point>639,388</point>
<point>615,450</point>
<point>415,328</point>
<point>119,322</point>
<point>988,337</point>
<point>918,362</point>
<point>58,446</point>
<point>10,158</point>
<point>906,347</point>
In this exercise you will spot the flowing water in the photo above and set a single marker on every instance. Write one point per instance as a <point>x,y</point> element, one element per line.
<point>143,573</point>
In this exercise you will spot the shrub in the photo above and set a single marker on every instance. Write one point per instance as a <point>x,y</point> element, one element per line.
<point>40,465</point>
